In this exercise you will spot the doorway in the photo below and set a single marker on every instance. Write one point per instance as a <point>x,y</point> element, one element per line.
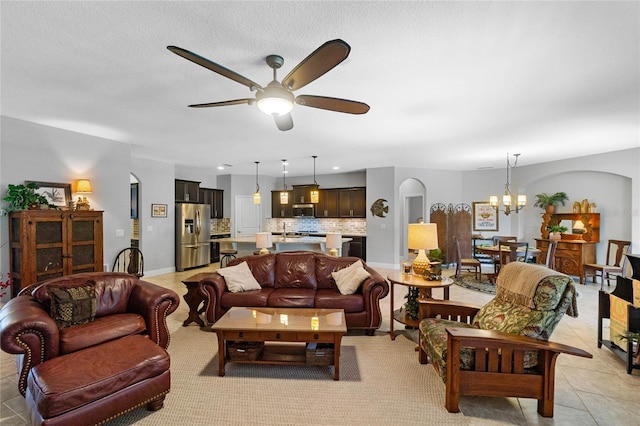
<point>135,211</point>
<point>412,199</point>
<point>247,217</point>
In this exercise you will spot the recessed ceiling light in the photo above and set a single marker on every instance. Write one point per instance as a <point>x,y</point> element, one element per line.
<point>336,168</point>
<point>220,167</point>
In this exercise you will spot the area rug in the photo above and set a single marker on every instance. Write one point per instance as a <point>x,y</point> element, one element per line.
<point>381,382</point>
<point>468,280</point>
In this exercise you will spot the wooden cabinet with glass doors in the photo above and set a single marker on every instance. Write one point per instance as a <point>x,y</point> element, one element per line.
<point>52,243</point>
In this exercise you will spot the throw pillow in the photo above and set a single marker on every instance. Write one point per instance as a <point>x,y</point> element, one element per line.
<point>73,305</point>
<point>239,278</point>
<point>349,279</point>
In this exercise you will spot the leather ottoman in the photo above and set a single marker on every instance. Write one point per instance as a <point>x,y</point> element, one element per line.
<point>97,384</point>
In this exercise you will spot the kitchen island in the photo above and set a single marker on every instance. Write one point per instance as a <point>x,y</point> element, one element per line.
<point>247,245</point>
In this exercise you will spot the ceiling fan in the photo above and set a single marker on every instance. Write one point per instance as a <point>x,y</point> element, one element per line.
<point>277,98</point>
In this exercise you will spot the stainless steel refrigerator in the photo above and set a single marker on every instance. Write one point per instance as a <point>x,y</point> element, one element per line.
<point>192,235</point>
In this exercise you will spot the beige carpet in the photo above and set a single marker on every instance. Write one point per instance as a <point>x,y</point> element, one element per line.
<point>381,382</point>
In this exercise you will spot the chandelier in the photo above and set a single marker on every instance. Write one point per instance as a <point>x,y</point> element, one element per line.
<point>508,198</point>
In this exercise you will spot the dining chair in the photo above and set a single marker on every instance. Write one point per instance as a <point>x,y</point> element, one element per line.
<point>515,251</point>
<point>614,263</point>
<point>550,260</point>
<point>469,263</point>
<point>129,260</point>
<point>496,240</point>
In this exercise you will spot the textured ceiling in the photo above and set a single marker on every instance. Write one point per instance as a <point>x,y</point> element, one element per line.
<point>451,85</point>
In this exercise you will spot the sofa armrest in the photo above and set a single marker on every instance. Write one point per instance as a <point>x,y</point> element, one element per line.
<point>373,289</point>
<point>212,288</point>
<point>446,309</point>
<point>28,330</point>
<point>154,303</point>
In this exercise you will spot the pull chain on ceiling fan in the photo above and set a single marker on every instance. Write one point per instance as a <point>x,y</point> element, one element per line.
<point>277,98</point>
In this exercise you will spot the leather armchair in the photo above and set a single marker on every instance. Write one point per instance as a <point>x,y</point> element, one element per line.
<point>125,306</point>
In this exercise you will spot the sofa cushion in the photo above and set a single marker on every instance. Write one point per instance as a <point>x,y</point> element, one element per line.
<point>101,330</point>
<point>255,298</point>
<point>296,270</point>
<point>325,265</point>
<point>292,298</point>
<point>73,305</point>
<point>262,267</point>
<point>349,279</point>
<point>333,299</point>
<point>239,278</point>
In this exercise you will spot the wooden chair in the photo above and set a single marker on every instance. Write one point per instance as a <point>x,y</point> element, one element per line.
<point>514,253</point>
<point>129,260</point>
<point>496,240</point>
<point>468,263</point>
<point>501,349</point>
<point>616,249</point>
<point>550,260</point>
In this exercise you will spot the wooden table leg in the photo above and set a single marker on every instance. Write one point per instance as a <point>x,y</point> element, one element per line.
<point>221,353</point>
<point>193,299</point>
<point>336,355</point>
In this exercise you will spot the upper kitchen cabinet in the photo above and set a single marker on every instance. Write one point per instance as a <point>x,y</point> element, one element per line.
<point>302,194</point>
<point>328,204</point>
<point>278,210</point>
<point>213,197</point>
<point>353,202</point>
<point>187,191</point>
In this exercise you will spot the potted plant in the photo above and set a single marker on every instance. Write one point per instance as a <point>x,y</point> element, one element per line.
<point>550,202</point>
<point>25,197</point>
<point>555,231</point>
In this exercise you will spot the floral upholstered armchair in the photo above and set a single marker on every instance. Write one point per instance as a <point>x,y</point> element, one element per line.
<point>501,349</point>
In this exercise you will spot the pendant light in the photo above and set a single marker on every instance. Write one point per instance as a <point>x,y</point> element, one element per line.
<point>508,200</point>
<point>256,195</point>
<point>314,195</point>
<point>284,195</point>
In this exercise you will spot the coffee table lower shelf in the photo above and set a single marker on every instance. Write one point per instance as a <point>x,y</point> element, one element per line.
<point>275,353</point>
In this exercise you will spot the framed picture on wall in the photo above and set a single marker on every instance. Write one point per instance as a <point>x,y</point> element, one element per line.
<point>58,194</point>
<point>158,210</point>
<point>485,217</point>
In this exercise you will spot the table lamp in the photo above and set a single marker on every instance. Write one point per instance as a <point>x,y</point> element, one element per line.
<point>83,186</point>
<point>334,242</point>
<point>264,242</point>
<point>421,237</point>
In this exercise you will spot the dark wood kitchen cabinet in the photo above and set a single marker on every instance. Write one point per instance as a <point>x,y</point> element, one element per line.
<point>328,204</point>
<point>278,210</point>
<point>302,194</point>
<point>353,202</point>
<point>214,198</point>
<point>187,191</point>
<point>53,243</point>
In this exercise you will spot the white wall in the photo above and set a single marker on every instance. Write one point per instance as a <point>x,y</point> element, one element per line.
<point>42,153</point>
<point>157,235</point>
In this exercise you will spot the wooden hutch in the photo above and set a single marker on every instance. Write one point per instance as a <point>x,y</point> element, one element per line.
<point>574,250</point>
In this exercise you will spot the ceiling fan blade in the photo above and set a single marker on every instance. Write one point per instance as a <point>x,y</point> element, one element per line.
<point>224,103</point>
<point>333,104</point>
<point>225,72</point>
<point>323,59</point>
<point>284,122</point>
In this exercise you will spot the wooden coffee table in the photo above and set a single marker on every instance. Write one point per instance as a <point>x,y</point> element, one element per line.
<point>273,326</point>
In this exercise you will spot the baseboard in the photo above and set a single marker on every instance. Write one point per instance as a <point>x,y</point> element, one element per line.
<point>155,272</point>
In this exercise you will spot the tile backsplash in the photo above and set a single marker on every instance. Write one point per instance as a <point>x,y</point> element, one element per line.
<point>320,226</point>
<point>221,226</point>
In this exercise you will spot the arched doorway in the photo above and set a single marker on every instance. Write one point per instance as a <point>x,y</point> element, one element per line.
<point>412,199</point>
<point>135,211</point>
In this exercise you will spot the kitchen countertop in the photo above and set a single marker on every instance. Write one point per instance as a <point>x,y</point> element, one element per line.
<point>280,240</point>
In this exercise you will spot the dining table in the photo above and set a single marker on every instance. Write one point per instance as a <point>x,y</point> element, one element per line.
<point>494,250</point>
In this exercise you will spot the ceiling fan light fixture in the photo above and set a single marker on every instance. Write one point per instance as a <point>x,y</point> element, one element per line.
<point>275,100</point>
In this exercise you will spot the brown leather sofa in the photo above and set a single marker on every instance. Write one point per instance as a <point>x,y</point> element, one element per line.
<point>299,280</point>
<point>124,306</point>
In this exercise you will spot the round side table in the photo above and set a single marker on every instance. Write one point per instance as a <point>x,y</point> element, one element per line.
<point>425,288</point>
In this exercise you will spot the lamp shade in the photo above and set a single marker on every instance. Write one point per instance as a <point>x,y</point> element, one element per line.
<point>334,242</point>
<point>264,241</point>
<point>423,236</point>
<point>84,185</point>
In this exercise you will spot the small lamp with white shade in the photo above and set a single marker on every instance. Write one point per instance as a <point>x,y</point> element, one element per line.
<point>334,242</point>
<point>421,237</point>
<point>264,242</point>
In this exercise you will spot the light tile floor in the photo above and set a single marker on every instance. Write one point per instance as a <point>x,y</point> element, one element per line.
<point>594,391</point>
